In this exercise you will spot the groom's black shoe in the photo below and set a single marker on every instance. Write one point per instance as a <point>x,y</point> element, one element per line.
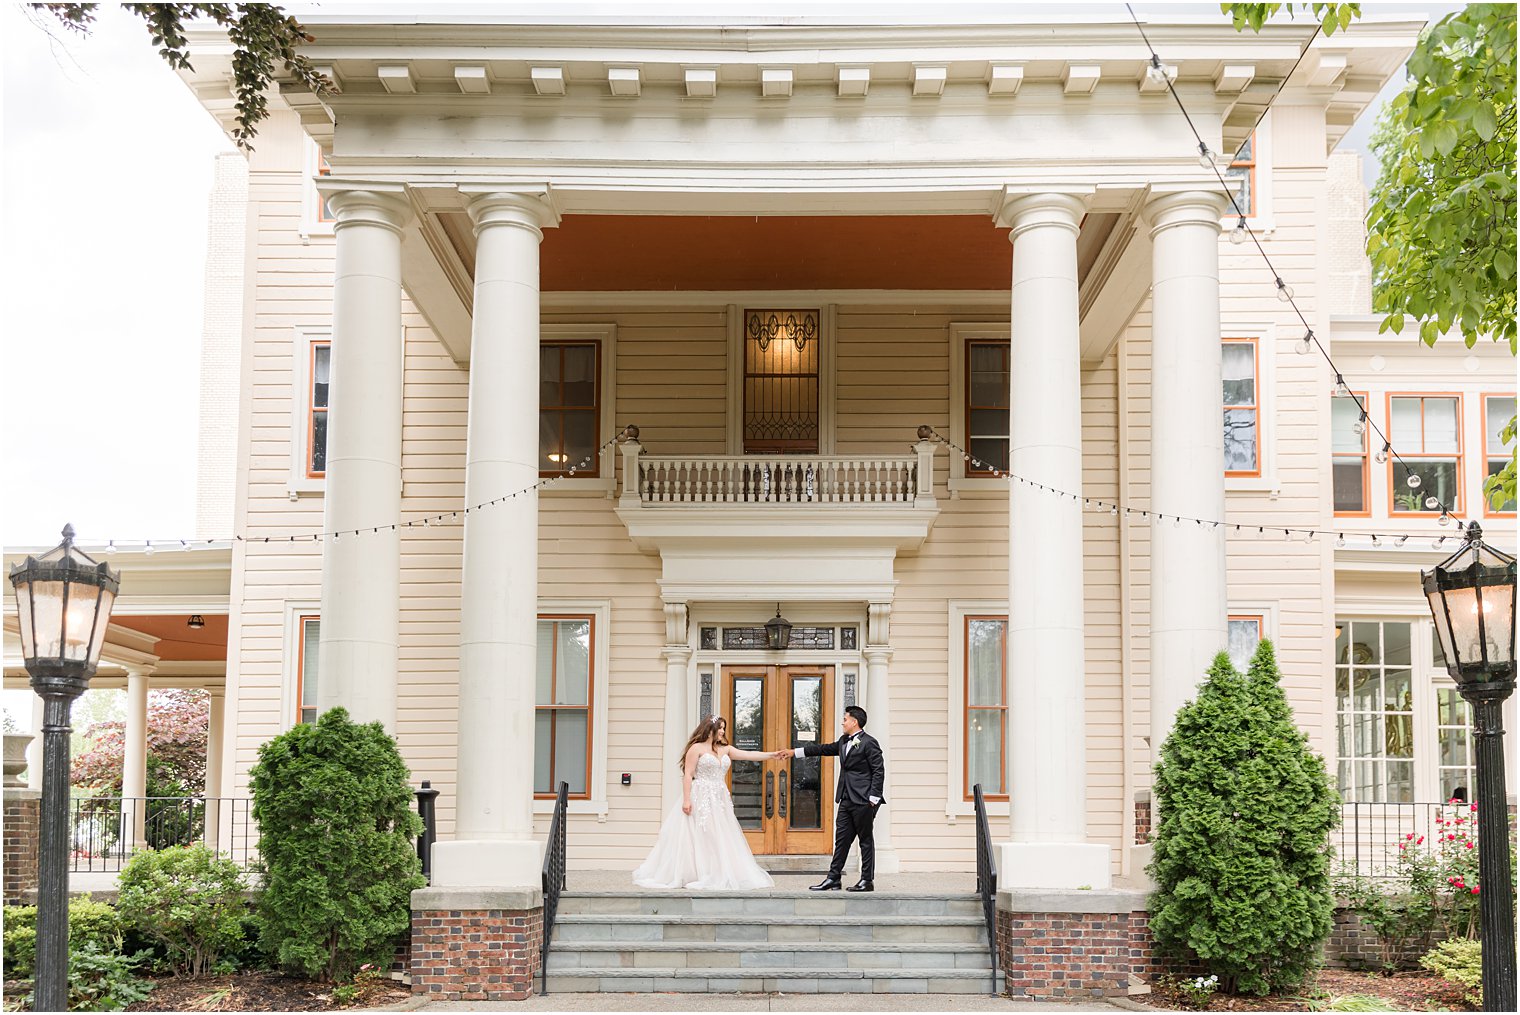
<point>861,886</point>
<point>826,885</point>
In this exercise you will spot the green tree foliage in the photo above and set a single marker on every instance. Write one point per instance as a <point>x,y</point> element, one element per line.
<point>1244,808</point>
<point>264,40</point>
<point>336,839</point>
<point>1330,16</point>
<point>187,900</point>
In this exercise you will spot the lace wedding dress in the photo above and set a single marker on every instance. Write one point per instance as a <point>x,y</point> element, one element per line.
<point>703,850</point>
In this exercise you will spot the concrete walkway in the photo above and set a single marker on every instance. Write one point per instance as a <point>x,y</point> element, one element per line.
<point>768,1003</point>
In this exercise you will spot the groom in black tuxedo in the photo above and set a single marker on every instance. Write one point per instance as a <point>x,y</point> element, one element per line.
<point>862,773</point>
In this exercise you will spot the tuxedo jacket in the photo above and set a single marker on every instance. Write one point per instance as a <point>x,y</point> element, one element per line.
<point>862,769</point>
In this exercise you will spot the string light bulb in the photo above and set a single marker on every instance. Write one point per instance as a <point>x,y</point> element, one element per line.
<point>1340,540</point>
<point>111,546</point>
<point>1156,72</point>
<point>1284,291</point>
<point>1360,426</point>
<point>1413,482</point>
<point>1306,344</point>
<point>1445,519</point>
<point>1375,540</point>
<point>1240,233</point>
<point>1382,455</point>
<point>1205,157</point>
<point>148,546</point>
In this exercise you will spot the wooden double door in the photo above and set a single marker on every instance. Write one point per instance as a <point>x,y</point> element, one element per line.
<point>783,806</point>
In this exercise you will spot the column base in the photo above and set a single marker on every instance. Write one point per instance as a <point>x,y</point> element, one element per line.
<point>488,863</point>
<point>476,944</point>
<point>888,861</point>
<point>1140,857</point>
<point>1071,865</point>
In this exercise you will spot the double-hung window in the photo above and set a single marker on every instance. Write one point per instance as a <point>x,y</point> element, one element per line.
<point>569,408</point>
<point>986,698</point>
<point>309,633</point>
<point>1243,634</point>
<point>1241,177</point>
<point>1498,410</point>
<point>566,684</point>
<point>1426,431</point>
<point>987,391</point>
<point>318,386</point>
<point>1242,412</point>
<point>1374,695</point>
<point>1348,448</point>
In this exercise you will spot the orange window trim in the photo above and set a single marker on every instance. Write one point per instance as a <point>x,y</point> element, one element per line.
<point>1366,512</point>
<point>1251,165</point>
<point>590,620</point>
<point>312,409</point>
<point>970,469</point>
<point>593,470</point>
<point>1259,619</point>
<point>1488,455</point>
<point>301,622</point>
<point>1254,406</point>
<point>1420,455</point>
<point>968,708</point>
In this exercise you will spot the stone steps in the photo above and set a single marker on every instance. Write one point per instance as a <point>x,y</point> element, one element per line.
<point>771,941</point>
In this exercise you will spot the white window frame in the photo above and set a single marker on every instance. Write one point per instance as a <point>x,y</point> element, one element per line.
<point>311,201</point>
<point>1266,401</point>
<point>827,331</point>
<point>1265,610</point>
<point>299,483</point>
<point>960,334</point>
<point>606,337</point>
<point>956,806</point>
<point>601,668</point>
<point>290,677</point>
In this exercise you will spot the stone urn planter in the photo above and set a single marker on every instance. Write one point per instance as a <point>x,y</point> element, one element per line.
<point>15,757</point>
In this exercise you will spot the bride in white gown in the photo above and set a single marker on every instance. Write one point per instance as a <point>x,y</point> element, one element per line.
<point>701,846</point>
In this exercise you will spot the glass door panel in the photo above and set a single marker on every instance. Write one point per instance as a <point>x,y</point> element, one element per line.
<point>747,727</point>
<point>805,786</point>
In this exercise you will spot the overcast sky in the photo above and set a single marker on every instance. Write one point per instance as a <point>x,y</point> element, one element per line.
<point>105,172</point>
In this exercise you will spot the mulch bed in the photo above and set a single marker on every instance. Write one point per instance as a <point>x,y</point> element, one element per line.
<point>1414,991</point>
<point>261,991</point>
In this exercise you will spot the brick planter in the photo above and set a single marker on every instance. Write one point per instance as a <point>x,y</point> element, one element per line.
<point>23,820</point>
<point>476,944</point>
<point>1065,945</point>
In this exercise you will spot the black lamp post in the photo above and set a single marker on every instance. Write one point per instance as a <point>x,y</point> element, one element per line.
<point>1472,598</point>
<point>778,630</point>
<point>63,602</point>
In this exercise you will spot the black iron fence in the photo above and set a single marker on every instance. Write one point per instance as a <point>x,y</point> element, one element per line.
<point>1374,835</point>
<point>104,831</point>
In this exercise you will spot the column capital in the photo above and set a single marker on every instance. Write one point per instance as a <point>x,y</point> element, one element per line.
<point>357,202</point>
<point>876,655</point>
<point>676,654</point>
<point>675,625</point>
<point>528,208</point>
<point>1025,209</point>
<point>1167,208</point>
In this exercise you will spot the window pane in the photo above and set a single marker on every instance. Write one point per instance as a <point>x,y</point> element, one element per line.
<point>989,374</point>
<point>1239,179</point>
<point>1455,784</point>
<point>1243,637</point>
<point>990,451</point>
<point>1401,782</point>
<point>545,691</point>
<point>989,423</point>
<point>551,456</point>
<point>1247,152</point>
<point>570,749</point>
<point>580,440</point>
<point>1366,690</point>
<point>1366,643</point>
<point>548,375</point>
<point>1398,732</point>
<point>1240,440</point>
<point>1405,424</point>
<point>1497,411</point>
<point>1349,476</point>
<point>1440,426</point>
<point>1343,689</point>
<point>1496,466</point>
<point>1437,479</point>
<point>1453,747</point>
<point>580,375</point>
<point>574,677</point>
<point>1344,415</point>
<point>1396,644</point>
<point>985,653</point>
<point>310,642</point>
<point>1342,641</point>
<point>321,375</point>
<point>319,442</point>
<point>1239,371</point>
<point>984,750</point>
<point>542,739</point>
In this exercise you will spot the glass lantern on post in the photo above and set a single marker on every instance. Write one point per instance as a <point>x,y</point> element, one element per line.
<point>63,605</point>
<point>1472,600</point>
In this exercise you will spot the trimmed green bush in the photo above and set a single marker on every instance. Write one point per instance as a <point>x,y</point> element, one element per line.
<point>1244,814</point>
<point>1459,961</point>
<point>336,842</point>
<point>91,925</point>
<point>186,899</point>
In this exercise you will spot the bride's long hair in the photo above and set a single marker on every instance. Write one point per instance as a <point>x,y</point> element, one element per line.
<point>700,735</point>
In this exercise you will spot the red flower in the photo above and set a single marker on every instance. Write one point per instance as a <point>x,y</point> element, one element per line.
<point>1475,889</point>
<point>1409,836</point>
<point>1469,845</point>
<point>1419,840</point>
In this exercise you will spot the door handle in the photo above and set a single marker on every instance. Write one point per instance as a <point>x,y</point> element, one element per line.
<point>783,780</point>
<point>770,792</point>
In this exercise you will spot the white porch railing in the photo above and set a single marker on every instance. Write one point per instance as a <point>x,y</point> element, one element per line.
<point>781,480</point>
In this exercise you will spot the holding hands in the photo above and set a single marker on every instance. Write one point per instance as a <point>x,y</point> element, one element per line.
<point>781,755</point>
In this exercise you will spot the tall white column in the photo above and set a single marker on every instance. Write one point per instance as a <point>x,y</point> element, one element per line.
<point>361,593</point>
<point>878,706</point>
<point>134,758</point>
<point>1047,769</point>
<point>215,744</point>
<point>1188,596</point>
<point>677,653</point>
<point>498,643</point>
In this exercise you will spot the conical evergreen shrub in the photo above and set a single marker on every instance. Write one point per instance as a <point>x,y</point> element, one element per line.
<point>1244,813</point>
<point>336,834</point>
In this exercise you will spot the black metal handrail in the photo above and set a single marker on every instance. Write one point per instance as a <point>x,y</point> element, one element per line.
<point>104,831</point>
<point>554,878</point>
<point>986,877</point>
